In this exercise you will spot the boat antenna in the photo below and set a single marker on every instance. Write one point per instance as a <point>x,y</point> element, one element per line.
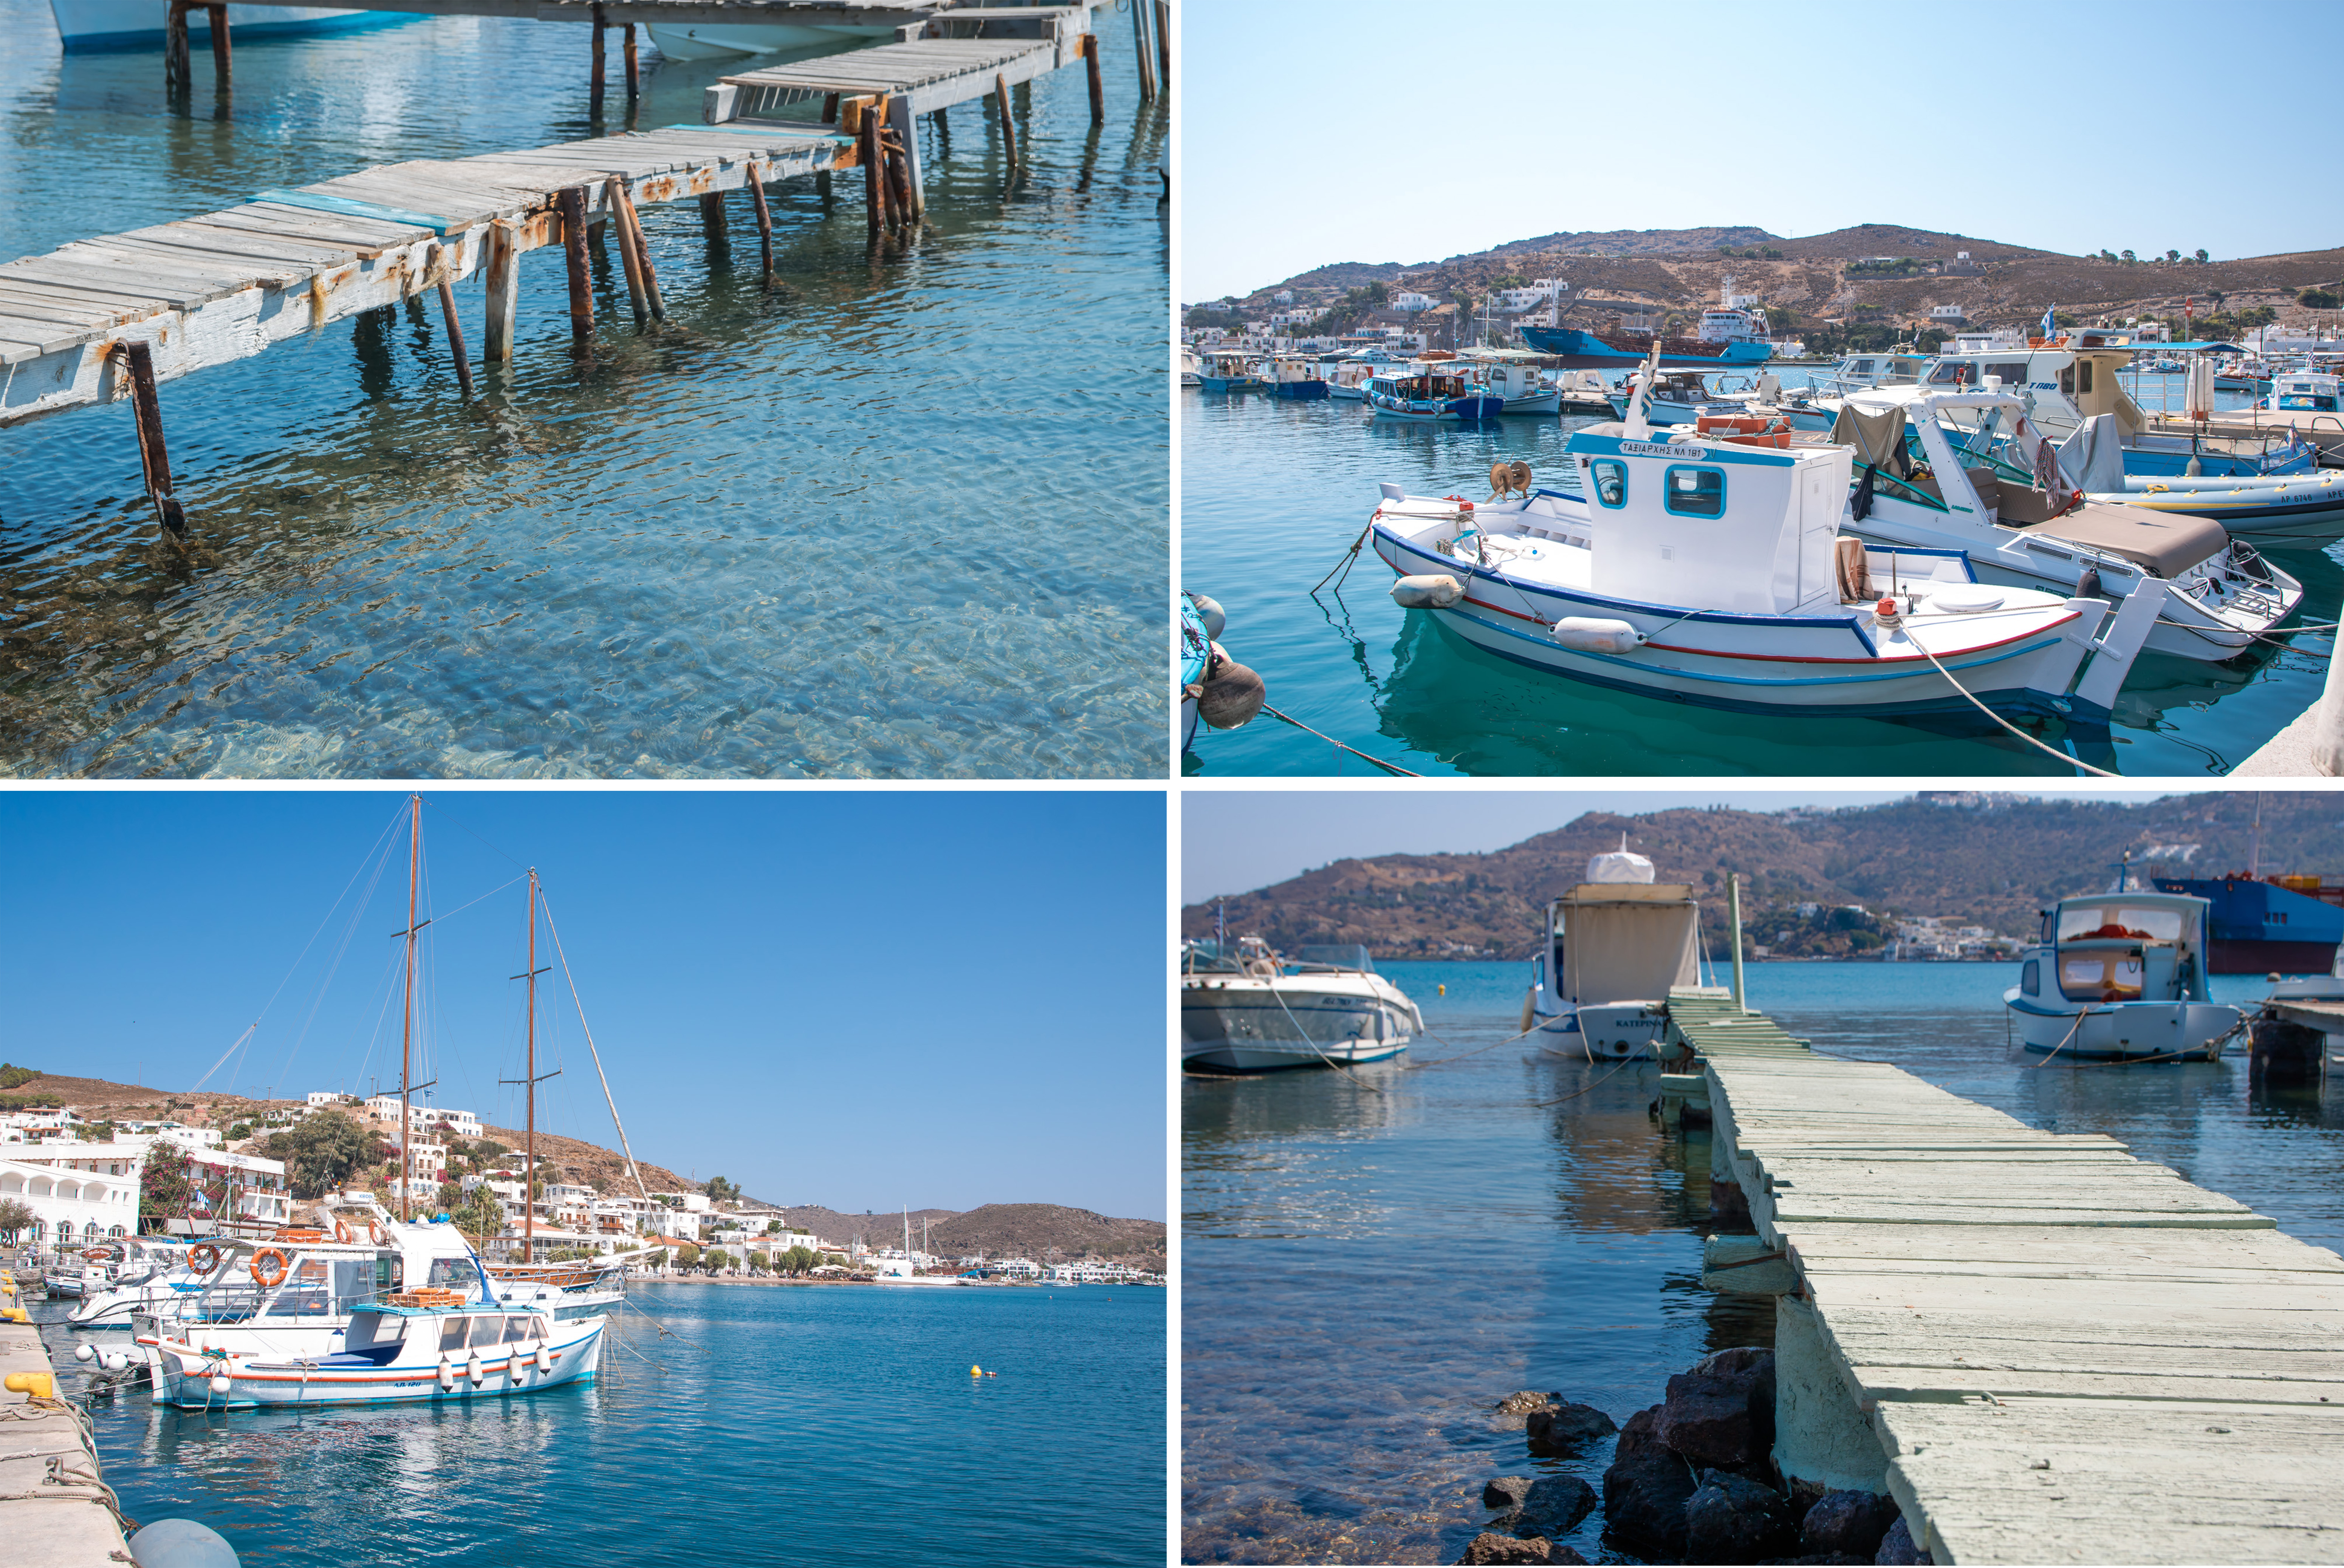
<point>529,1082</point>
<point>2255,856</point>
<point>406,1030</point>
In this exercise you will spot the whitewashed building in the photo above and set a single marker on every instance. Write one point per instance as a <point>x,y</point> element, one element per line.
<point>71,1206</point>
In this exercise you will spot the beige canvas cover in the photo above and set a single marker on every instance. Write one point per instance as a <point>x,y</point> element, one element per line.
<point>2167,543</point>
<point>1624,942</point>
<point>1878,438</point>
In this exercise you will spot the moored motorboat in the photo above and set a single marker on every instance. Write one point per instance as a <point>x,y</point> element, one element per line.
<point>706,40</point>
<point>144,1272</point>
<point>1256,1010</point>
<point>1297,377</point>
<point>1610,952</point>
<point>1512,376</point>
<point>91,26</point>
<point>1581,350</point>
<point>2120,976</point>
<point>1226,370</point>
<point>1431,397</point>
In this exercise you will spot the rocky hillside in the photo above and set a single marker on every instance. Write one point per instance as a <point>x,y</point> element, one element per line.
<point>999,1230</point>
<point>1993,864</point>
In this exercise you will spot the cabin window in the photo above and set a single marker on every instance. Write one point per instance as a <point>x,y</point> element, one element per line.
<point>1607,478</point>
<point>2084,376</point>
<point>2100,976</point>
<point>2067,381</point>
<point>2012,375</point>
<point>2030,979</point>
<point>451,1333</point>
<point>1952,373</point>
<point>453,1273</point>
<point>1695,492</point>
<point>2118,922</point>
<point>1860,368</point>
<point>370,1330</point>
<point>516,1330</point>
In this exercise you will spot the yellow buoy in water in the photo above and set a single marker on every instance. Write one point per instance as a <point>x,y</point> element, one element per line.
<point>977,1371</point>
<point>1440,990</point>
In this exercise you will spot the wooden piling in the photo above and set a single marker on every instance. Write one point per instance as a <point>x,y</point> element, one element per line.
<point>901,120</point>
<point>711,226</point>
<point>1091,66</point>
<point>175,68</point>
<point>634,65</point>
<point>1139,48</point>
<point>1164,43</point>
<point>1009,127</point>
<point>594,94</point>
<point>874,173</point>
<point>630,232</point>
<point>830,110</point>
<point>503,278</point>
<point>455,326</point>
<point>571,203</point>
<point>628,257</point>
<point>152,457</point>
<point>217,17</point>
<point>756,184</point>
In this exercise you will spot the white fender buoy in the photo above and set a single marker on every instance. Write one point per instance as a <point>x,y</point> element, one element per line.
<point>1435,591</point>
<point>1210,613</point>
<point>473,1370</point>
<point>180,1543</point>
<point>1591,634</point>
<point>515,1366</point>
<point>116,1361</point>
<point>543,1357</point>
<point>447,1375</point>
<point>220,1383</point>
<point>84,1350</point>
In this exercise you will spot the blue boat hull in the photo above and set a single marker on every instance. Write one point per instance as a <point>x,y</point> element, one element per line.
<point>2260,927</point>
<point>1585,351</point>
<point>241,30</point>
<point>1302,391</point>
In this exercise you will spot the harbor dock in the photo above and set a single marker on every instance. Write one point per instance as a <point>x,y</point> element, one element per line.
<point>2043,1348</point>
<point>54,1508</point>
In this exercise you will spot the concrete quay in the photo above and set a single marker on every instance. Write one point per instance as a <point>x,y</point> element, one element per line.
<point>55,1510</point>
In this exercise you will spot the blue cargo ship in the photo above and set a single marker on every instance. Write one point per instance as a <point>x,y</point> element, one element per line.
<point>2262,925</point>
<point>1581,350</point>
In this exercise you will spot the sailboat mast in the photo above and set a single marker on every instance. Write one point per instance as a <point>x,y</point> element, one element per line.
<point>529,1176</point>
<point>406,1030</point>
<point>2255,856</point>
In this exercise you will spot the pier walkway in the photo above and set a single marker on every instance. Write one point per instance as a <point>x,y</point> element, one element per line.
<point>53,1510</point>
<point>2044,1349</point>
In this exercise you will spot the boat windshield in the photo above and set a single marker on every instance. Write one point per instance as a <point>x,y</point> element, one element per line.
<point>2118,922</point>
<point>1345,956</point>
<point>314,1286</point>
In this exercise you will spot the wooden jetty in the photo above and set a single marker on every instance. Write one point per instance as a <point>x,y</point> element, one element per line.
<point>2044,1349</point>
<point>108,318</point>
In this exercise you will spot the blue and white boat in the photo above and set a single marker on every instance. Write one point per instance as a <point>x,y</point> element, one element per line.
<point>1685,397</point>
<point>1222,370</point>
<point>394,1353</point>
<point>1430,398</point>
<point>2120,976</point>
<point>1512,376</point>
<point>1196,657</point>
<point>91,26</point>
<point>1297,377</point>
<point>1256,1010</point>
<point>1704,570</point>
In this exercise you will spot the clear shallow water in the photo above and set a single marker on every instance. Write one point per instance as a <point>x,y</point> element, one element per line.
<point>1273,492</point>
<point>822,1426</point>
<point>906,516</point>
<point>1367,1271</point>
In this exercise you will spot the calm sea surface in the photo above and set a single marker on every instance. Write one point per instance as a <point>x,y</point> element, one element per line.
<point>809,1426</point>
<point>907,515</point>
<point>1368,1270</point>
<point>1273,492</point>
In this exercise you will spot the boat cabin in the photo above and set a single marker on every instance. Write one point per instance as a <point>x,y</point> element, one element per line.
<point>2122,947</point>
<point>380,1335</point>
<point>2306,390</point>
<point>1418,389</point>
<point>298,1283</point>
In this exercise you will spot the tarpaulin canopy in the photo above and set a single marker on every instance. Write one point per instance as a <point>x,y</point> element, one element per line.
<point>1628,942</point>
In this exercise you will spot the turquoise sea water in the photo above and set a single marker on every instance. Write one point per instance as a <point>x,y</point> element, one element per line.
<point>906,516</point>
<point>780,1425</point>
<point>1367,1267</point>
<point>1273,492</point>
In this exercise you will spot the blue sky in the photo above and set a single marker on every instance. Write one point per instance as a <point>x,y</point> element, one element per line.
<point>861,998</point>
<point>1235,841</point>
<point>1317,131</point>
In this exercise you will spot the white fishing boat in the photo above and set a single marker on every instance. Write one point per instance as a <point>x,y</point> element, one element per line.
<point>2120,976</point>
<point>1686,397</point>
<point>1256,1010</point>
<point>416,1346</point>
<point>1977,485</point>
<point>89,26</point>
<point>1231,371</point>
<point>1191,369</point>
<point>1610,950</point>
<point>144,1272</point>
<point>724,40</point>
<point>1707,571</point>
<point>1348,376</point>
<point>1512,376</point>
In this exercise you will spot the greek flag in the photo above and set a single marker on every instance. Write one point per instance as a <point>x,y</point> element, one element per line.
<point>2047,328</point>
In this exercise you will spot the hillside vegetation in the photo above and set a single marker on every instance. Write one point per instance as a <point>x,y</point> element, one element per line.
<point>1993,866</point>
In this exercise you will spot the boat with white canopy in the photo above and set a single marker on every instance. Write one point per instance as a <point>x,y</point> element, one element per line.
<point>1610,952</point>
<point>2120,976</point>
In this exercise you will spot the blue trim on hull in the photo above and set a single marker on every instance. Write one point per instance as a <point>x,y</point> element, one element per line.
<point>199,31</point>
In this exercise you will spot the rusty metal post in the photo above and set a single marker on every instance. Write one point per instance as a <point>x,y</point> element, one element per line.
<point>1008,127</point>
<point>1091,64</point>
<point>175,69</point>
<point>756,183</point>
<point>504,292</point>
<point>627,257</point>
<point>874,173</point>
<point>712,226</point>
<point>152,457</point>
<point>217,17</point>
<point>635,66</point>
<point>571,203</point>
<point>595,94</point>
<point>907,127</point>
<point>1139,48</point>
<point>630,232</point>
<point>455,326</point>
<point>1164,43</point>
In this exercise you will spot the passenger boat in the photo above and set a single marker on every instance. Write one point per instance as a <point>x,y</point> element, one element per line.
<point>2120,976</point>
<point>1706,570</point>
<point>91,26</point>
<point>1610,950</point>
<point>1296,376</point>
<point>1256,1010</point>
<point>1225,371</point>
<point>418,1345</point>
<point>1964,470</point>
<point>1429,398</point>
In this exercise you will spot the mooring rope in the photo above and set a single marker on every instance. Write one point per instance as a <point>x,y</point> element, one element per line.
<point>1313,1044</point>
<point>1999,719</point>
<point>1391,767</point>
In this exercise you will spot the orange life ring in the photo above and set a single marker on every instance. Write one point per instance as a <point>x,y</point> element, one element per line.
<point>341,1231</point>
<point>104,1253</point>
<point>269,1281</point>
<point>203,1257</point>
<point>374,1233</point>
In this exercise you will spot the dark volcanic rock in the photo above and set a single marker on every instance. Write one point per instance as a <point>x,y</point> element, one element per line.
<point>1722,1413</point>
<point>1733,1519</point>
<point>1645,1491</point>
<point>1553,1504</point>
<point>1897,1546</point>
<point>1527,1401</point>
<point>1847,1521</point>
<point>1562,1428</point>
<point>1506,1491</point>
<point>1492,1547</point>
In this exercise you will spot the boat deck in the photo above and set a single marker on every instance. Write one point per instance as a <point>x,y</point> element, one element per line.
<point>2063,1353</point>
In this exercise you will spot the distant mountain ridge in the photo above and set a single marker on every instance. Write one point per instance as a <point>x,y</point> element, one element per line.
<point>1992,864</point>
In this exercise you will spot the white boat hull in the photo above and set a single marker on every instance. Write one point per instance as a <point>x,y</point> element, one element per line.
<point>185,1379</point>
<point>89,26</point>
<point>1614,1032</point>
<point>2165,1031</point>
<point>727,40</point>
<point>1244,1027</point>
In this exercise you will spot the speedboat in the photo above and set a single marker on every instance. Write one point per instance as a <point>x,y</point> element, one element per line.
<point>417,1345</point>
<point>147,1270</point>
<point>1256,1010</point>
<point>722,40</point>
<point>1709,569</point>
<point>1967,471</point>
<point>1610,950</point>
<point>89,26</point>
<point>1431,397</point>
<point>2120,976</point>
